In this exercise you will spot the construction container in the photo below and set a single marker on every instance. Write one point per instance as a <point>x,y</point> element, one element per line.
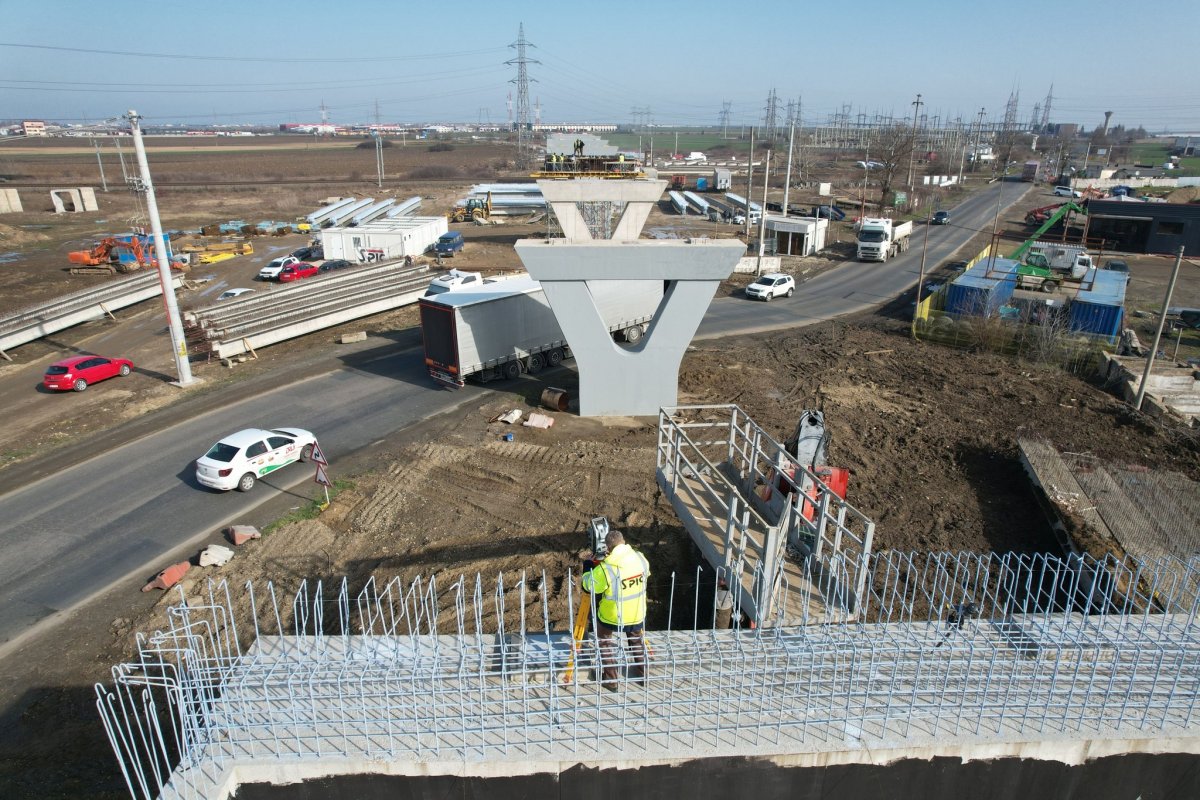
<point>383,239</point>
<point>981,290</point>
<point>1100,309</point>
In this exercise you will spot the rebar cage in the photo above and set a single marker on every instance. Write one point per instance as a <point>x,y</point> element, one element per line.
<point>947,648</point>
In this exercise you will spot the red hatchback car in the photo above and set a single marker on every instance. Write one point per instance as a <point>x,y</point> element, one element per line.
<point>78,372</point>
<point>294,272</point>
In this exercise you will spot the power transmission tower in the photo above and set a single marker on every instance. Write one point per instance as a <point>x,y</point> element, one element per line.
<point>1010,110</point>
<point>376,112</point>
<point>1045,123</point>
<point>1034,117</point>
<point>537,112</point>
<point>724,118</point>
<point>769,116</point>
<point>508,103</point>
<point>324,116</point>
<point>522,81</point>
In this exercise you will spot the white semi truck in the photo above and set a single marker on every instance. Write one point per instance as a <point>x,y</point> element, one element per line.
<point>500,330</point>
<point>880,239</point>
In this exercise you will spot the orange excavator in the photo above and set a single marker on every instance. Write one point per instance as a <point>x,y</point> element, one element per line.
<point>104,257</point>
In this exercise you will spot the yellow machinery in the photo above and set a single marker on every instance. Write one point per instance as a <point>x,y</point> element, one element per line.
<point>473,208</point>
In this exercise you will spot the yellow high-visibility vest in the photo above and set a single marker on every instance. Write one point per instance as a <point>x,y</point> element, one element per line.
<point>619,582</point>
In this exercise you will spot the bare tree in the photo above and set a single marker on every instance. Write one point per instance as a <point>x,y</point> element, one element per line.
<point>892,148</point>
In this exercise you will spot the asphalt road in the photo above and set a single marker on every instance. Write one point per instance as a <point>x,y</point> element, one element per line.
<point>68,536</point>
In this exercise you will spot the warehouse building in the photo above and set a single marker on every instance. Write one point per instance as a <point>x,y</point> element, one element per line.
<point>1135,227</point>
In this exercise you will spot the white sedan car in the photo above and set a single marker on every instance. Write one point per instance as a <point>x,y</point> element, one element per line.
<point>773,284</point>
<point>240,459</point>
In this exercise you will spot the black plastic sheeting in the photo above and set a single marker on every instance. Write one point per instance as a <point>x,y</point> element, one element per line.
<point>1158,777</point>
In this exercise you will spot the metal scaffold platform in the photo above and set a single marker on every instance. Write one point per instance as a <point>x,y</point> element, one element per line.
<point>947,651</point>
<point>745,501</point>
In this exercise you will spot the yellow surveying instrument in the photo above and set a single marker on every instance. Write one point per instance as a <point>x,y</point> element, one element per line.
<point>597,530</point>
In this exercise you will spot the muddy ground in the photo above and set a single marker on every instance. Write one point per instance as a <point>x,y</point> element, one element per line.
<point>928,433</point>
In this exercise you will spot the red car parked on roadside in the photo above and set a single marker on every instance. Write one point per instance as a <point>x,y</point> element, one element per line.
<point>81,371</point>
<point>294,272</point>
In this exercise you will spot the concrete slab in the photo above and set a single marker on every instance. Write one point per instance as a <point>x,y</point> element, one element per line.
<point>10,202</point>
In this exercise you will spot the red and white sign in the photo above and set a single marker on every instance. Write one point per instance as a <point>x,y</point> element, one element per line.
<point>322,477</point>
<point>318,456</point>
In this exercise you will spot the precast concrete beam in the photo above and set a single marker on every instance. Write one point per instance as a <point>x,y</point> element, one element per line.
<point>637,380</point>
<point>638,197</point>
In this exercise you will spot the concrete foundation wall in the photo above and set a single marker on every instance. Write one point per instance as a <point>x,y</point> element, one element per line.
<point>10,202</point>
<point>937,778</point>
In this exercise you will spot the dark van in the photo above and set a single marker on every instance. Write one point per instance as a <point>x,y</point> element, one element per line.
<point>448,244</point>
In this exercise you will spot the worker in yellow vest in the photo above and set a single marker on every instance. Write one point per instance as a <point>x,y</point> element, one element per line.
<point>618,588</point>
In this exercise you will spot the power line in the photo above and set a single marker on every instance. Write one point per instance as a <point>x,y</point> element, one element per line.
<point>272,59</point>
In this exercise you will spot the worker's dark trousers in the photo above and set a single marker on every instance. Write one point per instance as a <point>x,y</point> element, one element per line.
<point>608,652</point>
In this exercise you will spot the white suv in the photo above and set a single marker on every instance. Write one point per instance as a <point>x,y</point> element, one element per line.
<point>773,284</point>
<point>271,271</point>
<point>1066,191</point>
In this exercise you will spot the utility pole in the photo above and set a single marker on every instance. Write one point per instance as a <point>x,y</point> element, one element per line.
<point>787,179</point>
<point>103,180</point>
<point>762,217</point>
<point>379,159</point>
<point>921,273</point>
<point>174,324</point>
<point>749,181</point>
<point>1162,321</point>
<point>912,150</point>
<point>121,158</point>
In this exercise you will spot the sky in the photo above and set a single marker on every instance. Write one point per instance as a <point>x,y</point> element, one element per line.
<point>268,62</point>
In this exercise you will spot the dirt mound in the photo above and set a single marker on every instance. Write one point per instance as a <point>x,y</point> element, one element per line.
<point>18,237</point>
<point>1188,194</point>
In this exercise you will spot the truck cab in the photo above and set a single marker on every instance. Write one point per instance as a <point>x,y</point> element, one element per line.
<point>454,280</point>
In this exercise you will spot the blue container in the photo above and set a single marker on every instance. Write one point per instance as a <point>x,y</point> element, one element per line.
<point>508,437</point>
<point>983,288</point>
<point>1100,309</point>
<point>701,184</point>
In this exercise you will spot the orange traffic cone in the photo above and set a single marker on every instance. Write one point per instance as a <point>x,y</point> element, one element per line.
<point>168,577</point>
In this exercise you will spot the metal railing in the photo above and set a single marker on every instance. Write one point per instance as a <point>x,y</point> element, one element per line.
<point>731,482</point>
<point>948,648</point>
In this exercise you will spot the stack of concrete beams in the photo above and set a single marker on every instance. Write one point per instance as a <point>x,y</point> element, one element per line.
<point>509,199</point>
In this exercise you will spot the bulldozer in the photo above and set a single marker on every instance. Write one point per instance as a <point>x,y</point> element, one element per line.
<point>474,208</point>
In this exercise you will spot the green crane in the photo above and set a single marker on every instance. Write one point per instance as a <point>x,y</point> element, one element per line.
<point>1047,225</point>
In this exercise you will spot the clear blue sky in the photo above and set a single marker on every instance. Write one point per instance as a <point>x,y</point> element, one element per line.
<point>263,61</point>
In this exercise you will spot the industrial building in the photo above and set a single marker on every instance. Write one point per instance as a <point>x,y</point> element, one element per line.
<point>1144,227</point>
<point>797,236</point>
<point>383,239</point>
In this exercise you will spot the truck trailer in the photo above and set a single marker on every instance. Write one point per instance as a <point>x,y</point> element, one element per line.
<point>880,239</point>
<point>1029,173</point>
<point>500,330</point>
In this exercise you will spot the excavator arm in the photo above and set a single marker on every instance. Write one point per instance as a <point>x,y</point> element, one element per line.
<point>1047,225</point>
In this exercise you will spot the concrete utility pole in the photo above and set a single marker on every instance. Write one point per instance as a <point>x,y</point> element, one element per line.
<point>762,218</point>
<point>100,162</point>
<point>787,179</point>
<point>749,183</point>
<point>379,159</point>
<point>174,324</point>
<point>1162,321</point>
<point>912,150</point>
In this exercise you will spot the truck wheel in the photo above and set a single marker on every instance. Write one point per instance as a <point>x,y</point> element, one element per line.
<point>512,370</point>
<point>554,357</point>
<point>536,364</point>
<point>633,334</point>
